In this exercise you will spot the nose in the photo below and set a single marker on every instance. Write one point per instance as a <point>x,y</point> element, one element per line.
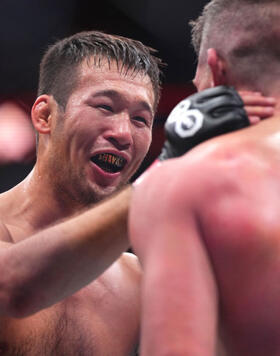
<point>120,132</point>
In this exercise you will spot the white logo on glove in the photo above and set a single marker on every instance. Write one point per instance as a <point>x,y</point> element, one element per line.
<point>187,122</point>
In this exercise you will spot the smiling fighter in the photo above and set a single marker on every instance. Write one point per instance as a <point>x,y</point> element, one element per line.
<point>66,287</point>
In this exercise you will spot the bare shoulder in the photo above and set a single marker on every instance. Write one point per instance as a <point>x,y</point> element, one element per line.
<point>221,165</point>
<point>189,177</point>
<point>236,195</point>
<point>223,178</point>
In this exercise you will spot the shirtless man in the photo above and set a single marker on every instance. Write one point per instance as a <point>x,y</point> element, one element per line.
<point>93,116</point>
<point>208,231</point>
<point>94,113</point>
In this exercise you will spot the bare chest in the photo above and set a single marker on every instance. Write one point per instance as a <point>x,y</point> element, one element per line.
<point>85,325</point>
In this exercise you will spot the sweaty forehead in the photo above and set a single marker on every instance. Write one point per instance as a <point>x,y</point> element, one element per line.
<point>105,75</point>
<point>104,66</point>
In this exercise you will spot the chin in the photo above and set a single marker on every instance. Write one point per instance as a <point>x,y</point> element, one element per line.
<point>96,194</point>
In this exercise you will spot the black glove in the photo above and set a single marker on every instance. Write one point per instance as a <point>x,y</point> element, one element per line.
<point>201,116</point>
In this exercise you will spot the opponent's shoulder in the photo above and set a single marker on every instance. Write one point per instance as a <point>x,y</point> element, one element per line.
<point>205,167</point>
<point>200,177</point>
<point>220,159</point>
<point>240,192</point>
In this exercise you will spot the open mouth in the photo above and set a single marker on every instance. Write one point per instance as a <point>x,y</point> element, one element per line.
<point>109,162</point>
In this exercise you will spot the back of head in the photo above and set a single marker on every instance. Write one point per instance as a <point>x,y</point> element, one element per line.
<point>59,66</point>
<point>246,34</point>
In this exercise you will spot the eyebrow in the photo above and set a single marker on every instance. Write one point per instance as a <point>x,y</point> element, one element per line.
<point>116,95</point>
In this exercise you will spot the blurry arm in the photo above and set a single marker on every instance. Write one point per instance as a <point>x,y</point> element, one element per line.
<point>179,297</point>
<point>56,262</point>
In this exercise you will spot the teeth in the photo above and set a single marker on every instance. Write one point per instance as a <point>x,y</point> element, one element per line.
<point>112,159</point>
<point>109,162</point>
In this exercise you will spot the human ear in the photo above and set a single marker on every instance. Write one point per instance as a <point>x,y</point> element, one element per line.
<point>41,114</point>
<point>217,67</point>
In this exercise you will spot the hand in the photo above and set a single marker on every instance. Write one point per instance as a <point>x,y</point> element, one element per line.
<point>257,106</point>
<point>204,115</point>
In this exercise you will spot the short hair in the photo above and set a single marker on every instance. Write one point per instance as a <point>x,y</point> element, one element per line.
<point>59,66</point>
<point>207,16</point>
<point>245,32</point>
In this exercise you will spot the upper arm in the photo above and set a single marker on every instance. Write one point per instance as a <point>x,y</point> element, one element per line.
<point>179,291</point>
<point>162,202</point>
<point>164,226</point>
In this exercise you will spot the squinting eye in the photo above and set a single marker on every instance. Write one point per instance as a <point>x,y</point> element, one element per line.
<point>140,119</point>
<point>106,107</point>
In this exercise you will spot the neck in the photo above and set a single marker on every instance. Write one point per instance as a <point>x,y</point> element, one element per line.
<point>36,203</point>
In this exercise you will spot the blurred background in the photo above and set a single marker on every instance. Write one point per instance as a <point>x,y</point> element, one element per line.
<point>27,27</point>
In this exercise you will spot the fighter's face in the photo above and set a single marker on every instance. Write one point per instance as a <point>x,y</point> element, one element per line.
<point>103,135</point>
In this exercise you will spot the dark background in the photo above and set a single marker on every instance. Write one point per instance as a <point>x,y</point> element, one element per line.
<point>27,27</point>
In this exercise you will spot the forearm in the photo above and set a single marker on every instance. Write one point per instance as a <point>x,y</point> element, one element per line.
<point>179,298</point>
<point>58,261</point>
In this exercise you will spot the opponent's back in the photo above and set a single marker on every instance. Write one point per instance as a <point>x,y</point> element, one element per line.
<point>209,240</point>
<point>239,215</point>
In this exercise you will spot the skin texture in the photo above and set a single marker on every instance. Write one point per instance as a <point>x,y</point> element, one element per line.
<point>113,116</point>
<point>219,240</point>
<point>57,294</point>
<point>50,252</point>
<point>207,235</point>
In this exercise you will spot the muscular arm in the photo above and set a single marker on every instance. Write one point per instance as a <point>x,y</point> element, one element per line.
<point>58,261</point>
<point>179,297</point>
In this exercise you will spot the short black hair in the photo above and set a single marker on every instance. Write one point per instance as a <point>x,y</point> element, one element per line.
<point>59,65</point>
